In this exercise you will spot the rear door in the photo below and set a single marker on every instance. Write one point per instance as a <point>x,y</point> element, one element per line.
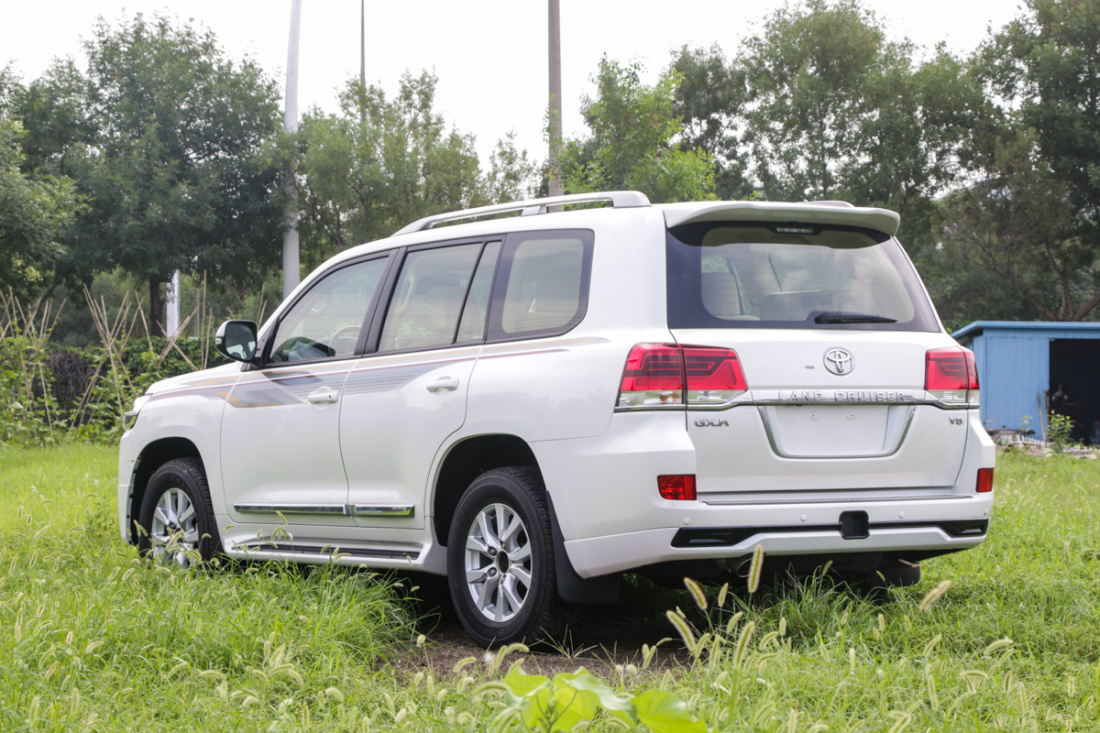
<point>404,399</point>
<point>831,327</point>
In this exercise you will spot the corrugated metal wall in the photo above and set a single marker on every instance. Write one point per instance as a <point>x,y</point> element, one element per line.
<point>1014,371</point>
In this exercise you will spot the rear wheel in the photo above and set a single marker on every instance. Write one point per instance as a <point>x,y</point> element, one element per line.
<point>500,560</point>
<point>176,518</point>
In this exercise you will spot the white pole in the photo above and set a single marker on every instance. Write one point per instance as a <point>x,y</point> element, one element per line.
<point>290,123</point>
<point>172,305</point>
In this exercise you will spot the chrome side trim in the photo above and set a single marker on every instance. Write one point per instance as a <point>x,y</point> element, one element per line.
<point>327,509</point>
<point>382,510</point>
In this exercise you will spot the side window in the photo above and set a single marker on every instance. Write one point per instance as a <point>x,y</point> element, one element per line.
<point>546,291</point>
<point>428,297</point>
<point>326,321</point>
<point>472,327</point>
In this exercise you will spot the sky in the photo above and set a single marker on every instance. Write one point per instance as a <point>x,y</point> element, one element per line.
<point>489,55</point>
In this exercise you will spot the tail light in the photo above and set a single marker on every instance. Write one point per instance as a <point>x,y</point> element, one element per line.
<point>952,375</point>
<point>653,377</point>
<point>656,376</point>
<point>985,480</point>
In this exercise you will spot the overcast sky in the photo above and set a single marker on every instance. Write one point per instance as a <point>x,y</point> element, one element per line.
<point>490,55</point>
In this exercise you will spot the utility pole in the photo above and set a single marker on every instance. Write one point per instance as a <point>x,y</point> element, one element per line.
<point>291,265</point>
<point>556,188</point>
<point>363,58</point>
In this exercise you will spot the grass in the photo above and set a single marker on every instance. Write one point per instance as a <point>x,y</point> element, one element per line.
<point>91,638</point>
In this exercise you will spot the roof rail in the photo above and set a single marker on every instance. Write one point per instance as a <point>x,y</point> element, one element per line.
<point>618,200</point>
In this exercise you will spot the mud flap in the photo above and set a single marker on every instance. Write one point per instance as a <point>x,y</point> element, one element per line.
<point>571,587</point>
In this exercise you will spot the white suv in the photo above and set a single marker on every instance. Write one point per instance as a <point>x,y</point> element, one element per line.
<point>532,405</point>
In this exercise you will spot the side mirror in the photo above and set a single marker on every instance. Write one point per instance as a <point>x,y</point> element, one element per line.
<point>236,340</point>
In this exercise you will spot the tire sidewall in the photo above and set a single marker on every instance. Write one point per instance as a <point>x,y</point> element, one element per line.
<point>496,487</point>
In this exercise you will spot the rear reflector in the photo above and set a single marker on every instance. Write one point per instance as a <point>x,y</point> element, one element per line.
<point>985,480</point>
<point>655,376</point>
<point>952,375</point>
<point>680,487</point>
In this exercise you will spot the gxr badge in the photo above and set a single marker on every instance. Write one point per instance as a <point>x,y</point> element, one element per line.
<point>839,361</point>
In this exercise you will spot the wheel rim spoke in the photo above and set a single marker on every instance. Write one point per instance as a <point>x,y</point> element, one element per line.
<point>523,552</point>
<point>520,574</point>
<point>478,575</point>
<point>487,533</point>
<point>509,593</point>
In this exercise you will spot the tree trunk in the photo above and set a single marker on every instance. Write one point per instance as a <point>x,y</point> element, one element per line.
<point>156,308</point>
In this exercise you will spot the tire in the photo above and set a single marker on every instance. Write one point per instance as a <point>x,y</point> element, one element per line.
<point>502,580</point>
<point>176,517</point>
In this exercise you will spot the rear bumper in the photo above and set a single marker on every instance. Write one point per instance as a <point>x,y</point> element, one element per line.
<point>602,555</point>
<point>613,519</point>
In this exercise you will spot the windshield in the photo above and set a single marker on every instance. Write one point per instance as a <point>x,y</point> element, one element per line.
<point>791,276</point>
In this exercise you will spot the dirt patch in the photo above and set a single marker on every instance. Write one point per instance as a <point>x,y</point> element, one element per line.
<point>598,638</point>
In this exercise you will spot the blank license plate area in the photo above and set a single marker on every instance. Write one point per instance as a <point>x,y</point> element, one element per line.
<point>834,431</point>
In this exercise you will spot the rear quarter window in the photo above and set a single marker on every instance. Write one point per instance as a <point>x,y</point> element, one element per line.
<point>791,276</point>
<point>542,287</point>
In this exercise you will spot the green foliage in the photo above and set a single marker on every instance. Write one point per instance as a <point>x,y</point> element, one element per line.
<point>164,136</point>
<point>710,103</point>
<point>36,211</point>
<point>838,111</point>
<point>570,699</point>
<point>29,414</point>
<point>382,163</point>
<point>1030,213</point>
<point>1008,645</point>
<point>1059,431</point>
<point>632,142</point>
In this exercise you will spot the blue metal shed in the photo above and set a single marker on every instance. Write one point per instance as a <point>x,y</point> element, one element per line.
<point>1032,368</point>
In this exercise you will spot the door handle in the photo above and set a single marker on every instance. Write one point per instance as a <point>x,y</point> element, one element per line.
<point>323,396</point>
<point>448,383</point>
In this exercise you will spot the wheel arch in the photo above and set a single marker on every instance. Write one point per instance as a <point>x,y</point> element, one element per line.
<point>470,458</point>
<point>465,461</point>
<point>153,456</point>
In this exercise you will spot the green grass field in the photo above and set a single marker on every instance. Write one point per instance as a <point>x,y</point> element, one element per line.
<point>91,638</point>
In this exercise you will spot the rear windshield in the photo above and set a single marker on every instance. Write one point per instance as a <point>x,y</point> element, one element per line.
<point>791,276</point>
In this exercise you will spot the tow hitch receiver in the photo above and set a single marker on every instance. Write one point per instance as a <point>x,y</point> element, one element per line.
<point>854,525</point>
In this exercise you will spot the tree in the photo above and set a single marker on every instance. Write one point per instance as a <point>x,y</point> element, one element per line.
<point>380,164</point>
<point>1029,213</point>
<point>173,173</point>
<point>633,141</point>
<point>836,110</point>
<point>710,102</point>
<point>35,212</point>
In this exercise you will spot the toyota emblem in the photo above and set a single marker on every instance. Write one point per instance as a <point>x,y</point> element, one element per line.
<point>839,361</point>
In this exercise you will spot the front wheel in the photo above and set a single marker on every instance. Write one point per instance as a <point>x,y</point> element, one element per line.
<point>176,518</point>
<point>500,559</point>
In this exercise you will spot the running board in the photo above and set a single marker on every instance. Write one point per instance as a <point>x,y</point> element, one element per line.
<point>270,548</point>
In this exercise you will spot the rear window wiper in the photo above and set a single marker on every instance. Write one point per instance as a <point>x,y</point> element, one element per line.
<point>840,317</point>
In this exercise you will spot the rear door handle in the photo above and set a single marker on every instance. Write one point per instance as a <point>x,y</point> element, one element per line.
<point>323,396</point>
<point>448,383</point>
